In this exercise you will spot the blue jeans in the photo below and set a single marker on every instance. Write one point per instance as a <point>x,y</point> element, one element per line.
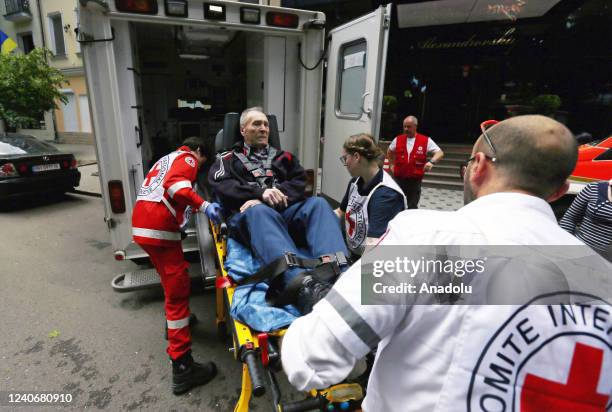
<point>309,229</point>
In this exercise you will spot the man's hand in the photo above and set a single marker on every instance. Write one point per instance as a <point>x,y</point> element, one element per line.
<point>274,197</point>
<point>428,166</point>
<point>249,203</point>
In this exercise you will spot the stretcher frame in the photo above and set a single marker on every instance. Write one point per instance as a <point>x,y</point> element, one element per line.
<point>258,355</point>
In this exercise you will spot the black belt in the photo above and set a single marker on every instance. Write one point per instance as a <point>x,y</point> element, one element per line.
<point>326,267</point>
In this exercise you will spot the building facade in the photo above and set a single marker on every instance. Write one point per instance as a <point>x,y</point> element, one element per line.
<point>51,24</point>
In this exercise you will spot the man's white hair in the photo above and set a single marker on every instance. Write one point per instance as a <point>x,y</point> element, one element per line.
<point>413,119</point>
<point>245,114</point>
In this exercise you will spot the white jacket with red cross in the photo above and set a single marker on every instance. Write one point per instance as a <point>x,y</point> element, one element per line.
<point>165,199</point>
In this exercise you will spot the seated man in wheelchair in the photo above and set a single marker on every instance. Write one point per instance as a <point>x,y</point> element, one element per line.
<point>262,191</point>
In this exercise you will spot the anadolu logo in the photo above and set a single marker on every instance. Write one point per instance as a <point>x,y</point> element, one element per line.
<point>547,358</point>
<point>190,161</point>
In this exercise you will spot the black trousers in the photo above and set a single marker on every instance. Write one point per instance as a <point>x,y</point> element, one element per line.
<point>412,190</point>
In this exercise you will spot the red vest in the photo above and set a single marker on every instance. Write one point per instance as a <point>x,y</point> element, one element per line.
<point>410,166</point>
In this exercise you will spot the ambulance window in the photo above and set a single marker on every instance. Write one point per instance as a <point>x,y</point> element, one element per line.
<point>352,79</point>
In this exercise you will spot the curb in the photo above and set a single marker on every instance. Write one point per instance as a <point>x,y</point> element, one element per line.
<point>86,193</point>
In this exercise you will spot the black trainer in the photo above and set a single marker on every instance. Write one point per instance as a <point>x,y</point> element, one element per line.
<point>187,374</point>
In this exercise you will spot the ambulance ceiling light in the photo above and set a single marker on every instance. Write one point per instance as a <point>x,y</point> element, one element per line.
<point>250,15</point>
<point>137,6</point>
<point>176,8</point>
<point>214,11</point>
<point>280,19</point>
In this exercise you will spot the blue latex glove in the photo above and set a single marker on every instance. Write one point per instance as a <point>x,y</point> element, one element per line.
<point>213,211</point>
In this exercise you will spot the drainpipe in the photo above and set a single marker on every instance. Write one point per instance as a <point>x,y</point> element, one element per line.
<point>44,45</point>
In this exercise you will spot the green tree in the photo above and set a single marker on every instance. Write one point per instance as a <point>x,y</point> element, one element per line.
<point>28,87</point>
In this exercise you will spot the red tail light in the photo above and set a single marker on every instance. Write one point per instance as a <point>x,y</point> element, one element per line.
<point>116,196</point>
<point>8,170</point>
<point>73,163</point>
<point>137,6</point>
<point>23,169</point>
<point>278,19</point>
<point>65,164</point>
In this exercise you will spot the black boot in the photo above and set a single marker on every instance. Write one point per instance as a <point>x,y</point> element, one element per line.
<point>187,374</point>
<point>310,292</point>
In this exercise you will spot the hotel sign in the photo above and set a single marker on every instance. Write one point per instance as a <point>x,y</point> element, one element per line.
<point>505,39</point>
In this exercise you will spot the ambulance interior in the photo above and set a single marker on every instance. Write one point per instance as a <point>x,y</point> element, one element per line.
<point>188,77</point>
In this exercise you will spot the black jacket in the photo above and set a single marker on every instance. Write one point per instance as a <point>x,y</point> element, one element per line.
<point>229,179</point>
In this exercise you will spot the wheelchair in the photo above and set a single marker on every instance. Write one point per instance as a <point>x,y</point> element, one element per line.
<point>259,353</point>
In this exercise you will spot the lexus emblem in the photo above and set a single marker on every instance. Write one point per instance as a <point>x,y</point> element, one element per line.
<point>45,158</point>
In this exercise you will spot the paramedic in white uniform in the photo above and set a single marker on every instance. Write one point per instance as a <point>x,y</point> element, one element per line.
<point>435,357</point>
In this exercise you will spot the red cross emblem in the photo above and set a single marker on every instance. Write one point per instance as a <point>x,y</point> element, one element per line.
<point>578,394</point>
<point>152,173</point>
<point>351,223</point>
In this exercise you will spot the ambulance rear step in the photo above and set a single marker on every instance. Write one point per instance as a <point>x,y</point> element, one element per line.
<point>147,279</point>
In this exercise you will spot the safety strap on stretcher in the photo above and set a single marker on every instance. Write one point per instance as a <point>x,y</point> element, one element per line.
<point>326,267</point>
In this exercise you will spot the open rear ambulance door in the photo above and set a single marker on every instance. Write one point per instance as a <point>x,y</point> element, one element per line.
<point>354,92</point>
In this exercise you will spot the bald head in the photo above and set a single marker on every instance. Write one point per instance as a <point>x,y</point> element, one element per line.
<point>536,154</point>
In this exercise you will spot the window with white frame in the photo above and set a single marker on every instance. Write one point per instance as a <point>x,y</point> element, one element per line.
<point>351,79</point>
<point>56,31</point>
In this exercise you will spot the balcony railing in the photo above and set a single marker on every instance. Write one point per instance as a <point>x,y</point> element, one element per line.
<point>17,10</point>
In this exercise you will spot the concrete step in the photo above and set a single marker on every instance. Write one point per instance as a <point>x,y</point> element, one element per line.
<point>442,184</point>
<point>455,148</point>
<point>444,174</point>
<point>455,156</point>
<point>452,161</point>
<point>446,168</point>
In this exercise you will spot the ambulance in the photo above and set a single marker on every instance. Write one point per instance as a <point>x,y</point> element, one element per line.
<point>159,71</point>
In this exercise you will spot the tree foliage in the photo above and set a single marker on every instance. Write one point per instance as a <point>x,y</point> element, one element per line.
<point>28,86</point>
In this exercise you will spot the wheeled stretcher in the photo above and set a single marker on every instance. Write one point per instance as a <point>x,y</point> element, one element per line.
<point>259,352</point>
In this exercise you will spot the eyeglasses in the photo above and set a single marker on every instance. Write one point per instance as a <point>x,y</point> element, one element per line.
<point>483,127</point>
<point>464,165</point>
<point>343,159</point>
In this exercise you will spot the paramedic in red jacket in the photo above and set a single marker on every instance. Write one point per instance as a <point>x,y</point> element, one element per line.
<point>410,165</point>
<point>164,204</point>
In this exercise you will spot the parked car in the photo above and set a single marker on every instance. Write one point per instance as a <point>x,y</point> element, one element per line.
<point>30,166</point>
<point>594,161</point>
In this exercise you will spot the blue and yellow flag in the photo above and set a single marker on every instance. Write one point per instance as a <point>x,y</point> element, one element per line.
<point>7,44</point>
